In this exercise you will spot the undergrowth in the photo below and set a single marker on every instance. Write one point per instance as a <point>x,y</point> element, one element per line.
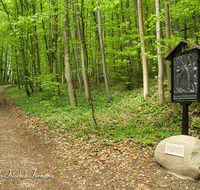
<point>126,116</point>
<point>4,83</point>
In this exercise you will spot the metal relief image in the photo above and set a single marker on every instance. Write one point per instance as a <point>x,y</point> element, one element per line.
<point>185,76</point>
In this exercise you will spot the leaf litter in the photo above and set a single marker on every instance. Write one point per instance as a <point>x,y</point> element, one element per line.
<point>100,163</point>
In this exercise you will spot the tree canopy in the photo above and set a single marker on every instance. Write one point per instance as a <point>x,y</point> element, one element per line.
<point>103,41</point>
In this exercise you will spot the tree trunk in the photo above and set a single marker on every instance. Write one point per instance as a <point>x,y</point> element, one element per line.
<point>5,66</point>
<point>23,54</point>
<point>103,56</point>
<point>176,26</point>
<point>129,44</point>
<point>68,73</point>
<point>82,23</point>
<point>17,72</point>
<point>63,68</point>
<point>96,63</point>
<point>167,26</point>
<point>48,53</point>
<point>78,70</point>
<point>38,73</point>
<point>194,29</point>
<point>160,61</point>
<point>143,50</point>
<point>97,47</point>
<point>84,69</point>
<point>76,50</point>
<point>54,45</point>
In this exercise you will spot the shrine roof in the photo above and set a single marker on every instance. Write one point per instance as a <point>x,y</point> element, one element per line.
<point>179,48</point>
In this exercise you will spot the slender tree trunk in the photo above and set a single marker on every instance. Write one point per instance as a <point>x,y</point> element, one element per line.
<point>54,45</point>
<point>84,69</point>
<point>167,26</point>
<point>47,46</point>
<point>129,44</point>
<point>37,46</point>
<point>96,64</point>
<point>63,69</point>
<point>23,53</point>
<point>77,67</point>
<point>97,47</point>
<point>32,52</point>
<point>103,56</point>
<point>143,50</point>
<point>17,72</point>
<point>138,49</point>
<point>68,73</point>
<point>5,65</point>
<point>194,29</point>
<point>176,25</point>
<point>74,78</point>
<point>30,83</point>
<point>160,61</point>
<point>82,23</point>
<point>76,50</point>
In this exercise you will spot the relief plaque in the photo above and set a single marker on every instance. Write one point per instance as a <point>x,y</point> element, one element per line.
<point>185,76</point>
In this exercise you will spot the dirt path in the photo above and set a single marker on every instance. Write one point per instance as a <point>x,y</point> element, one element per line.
<point>26,162</point>
<point>29,159</point>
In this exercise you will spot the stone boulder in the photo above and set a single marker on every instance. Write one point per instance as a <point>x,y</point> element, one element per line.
<point>180,154</point>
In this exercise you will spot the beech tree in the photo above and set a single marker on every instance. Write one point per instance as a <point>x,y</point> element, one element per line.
<point>160,59</point>
<point>143,50</point>
<point>68,73</point>
<point>23,52</point>
<point>54,44</point>
<point>105,74</point>
<point>84,68</point>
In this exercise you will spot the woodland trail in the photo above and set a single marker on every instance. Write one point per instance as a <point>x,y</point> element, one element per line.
<point>38,158</point>
<point>26,162</point>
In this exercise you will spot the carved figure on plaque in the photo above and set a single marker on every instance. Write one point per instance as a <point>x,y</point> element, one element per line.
<point>193,74</point>
<point>185,74</point>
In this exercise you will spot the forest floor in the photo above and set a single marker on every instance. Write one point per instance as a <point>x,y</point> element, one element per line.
<point>29,159</point>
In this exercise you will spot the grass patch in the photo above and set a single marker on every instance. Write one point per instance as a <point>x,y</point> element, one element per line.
<point>4,83</point>
<point>126,116</point>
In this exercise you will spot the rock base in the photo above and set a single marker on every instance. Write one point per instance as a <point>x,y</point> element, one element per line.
<point>180,154</point>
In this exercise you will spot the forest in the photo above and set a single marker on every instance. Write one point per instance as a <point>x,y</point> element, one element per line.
<point>78,45</point>
<point>90,96</point>
<point>45,44</point>
<point>78,57</point>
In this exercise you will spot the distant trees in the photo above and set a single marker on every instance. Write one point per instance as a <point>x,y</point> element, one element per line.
<point>47,43</point>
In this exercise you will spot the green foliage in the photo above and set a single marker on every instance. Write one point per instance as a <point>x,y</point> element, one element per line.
<point>59,171</point>
<point>4,83</point>
<point>127,116</point>
<point>118,32</point>
<point>46,81</point>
